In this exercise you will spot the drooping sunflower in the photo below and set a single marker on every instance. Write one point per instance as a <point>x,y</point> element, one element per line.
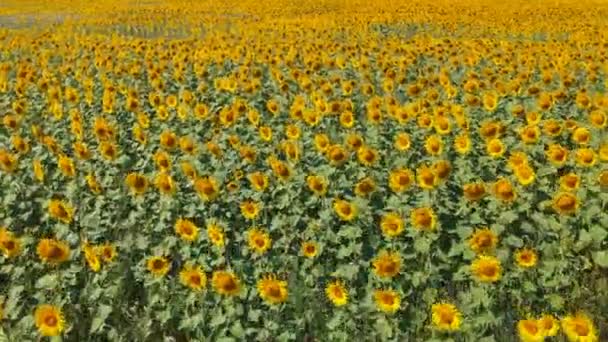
<point>108,150</point>
<point>259,181</point>
<point>91,257</point>
<point>159,266</point>
<point>423,219</point>
<point>93,184</point>
<point>193,277</point>
<point>486,269</point>
<point>504,191</point>
<point>565,203</point>
<point>400,179</point>
<point>66,166</point>
<point>38,170</point>
<point>365,187</point>
<point>483,241</point>
<point>317,184</point>
<point>526,258</point>
<point>387,264</point>
<point>10,245</point>
<point>186,229</point>
<point>272,290</point>
<point>474,191</point>
<point>387,300</point>
<point>61,211</point>
<point>53,251</point>
<point>337,293</point>
<point>165,183</point>
<point>446,316</point>
<point>258,240</point>
<point>391,224</point>
<point>250,209</point>
<point>345,210</point>
<point>579,327</point>
<point>226,283</point>
<point>137,182</point>
<point>49,320</point>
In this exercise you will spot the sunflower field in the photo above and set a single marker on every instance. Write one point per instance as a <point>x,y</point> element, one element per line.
<point>313,170</point>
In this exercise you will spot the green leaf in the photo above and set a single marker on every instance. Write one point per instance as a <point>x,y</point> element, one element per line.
<point>47,281</point>
<point>103,311</point>
<point>601,258</point>
<point>237,330</point>
<point>217,320</point>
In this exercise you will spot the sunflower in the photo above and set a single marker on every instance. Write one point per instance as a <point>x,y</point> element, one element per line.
<point>483,241</point>
<point>433,145</point>
<point>337,293</point>
<point>504,191</point>
<point>486,269</point>
<point>162,160</point>
<point>272,290</point>
<point>423,219</point>
<point>193,277</point>
<point>579,328</point>
<point>49,320</point>
<point>557,154</point>
<point>530,331</point>
<point>165,184</point>
<point>462,143</point>
<point>38,170</point>
<point>53,251</point>
<point>565,203</point>
<point>10,245</point>
<point>354,141</point>
<point>280,169</point>
<point>93,184</point>
<point>19,144</point>
<point>158,265</point>
<point>530,134</point>
<point>292,132</point>
<point>258,180</point>
<point>66,165</point>
<point>446,317</point>
<point>347,119</point>
<point>490,130</point>
<point>226,283</point>
<point>603,152</point>
<point>585,157</point>
<point>387,264</point>
<point>365,187</point>
<point>61,211</point>
<point>570,181</point>
<point>258,240</point>
<point>442,169</point>
<point>137,183</point>
<point>336,154</point>
<point>207,188</point>
<point>474,191</point>
<point>91,257</point>
<point>391,224</point>
<point>321,142</point>
<point>215,233</point>
<point>598,119</point>
<point>525,175</point>
<point>186,229</point>
<point>387,300</point>
<point>602,179</point>
<point>250,209</point>
<point>310,249</point>
<point>317,184</point>
<point>265,133</point>
<point>108,150</point>
<point>517,159</point>
<point>367,156</point>
<point>552,127</point>
<point>107,252</point>
<point>495,148</point>
<point>526,258</point>
<point>168,140</point>
<point>549,325</point>
<point>581,136</point>
<point>402,142</point>
<point>345,210</point>
<point>400,180</point>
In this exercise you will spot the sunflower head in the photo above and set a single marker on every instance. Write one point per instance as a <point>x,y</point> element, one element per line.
<point>483,241</point>
<point>579,327</point>
<point>193,277</point>
<point>158,265</point>
<point>310,249</point>
<point>486,269</point>
<point>317,184</point>
<point>215,233</point>
<point>565,203</point>
<point>186,229</point>
<point>423,219</point>
<point>445,316</point>
<point>387,300</point>
<point>526,258</point>
<point>53,251</point>
<point>10,245</point>
<point>474,191</point>
<point>387,264</point>
<point>272,290</point>
<point>258,240</point>
<point>337,293</point>
<point>137,182</point>
<point>365,187</point>
<point>226,283</point>
<point>250,209</point>
<point>49,320</point>
<point>345,210</point>
<point>400,180</point>
<point>392,224</point>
